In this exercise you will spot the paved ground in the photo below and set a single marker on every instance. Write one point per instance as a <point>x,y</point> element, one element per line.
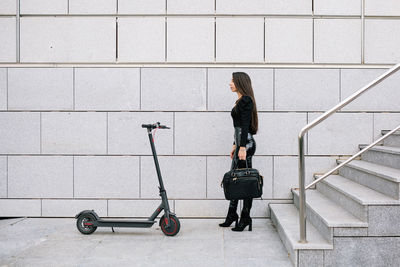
<point>57,242</point>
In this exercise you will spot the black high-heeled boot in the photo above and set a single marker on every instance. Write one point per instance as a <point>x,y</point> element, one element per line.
<point>245,216</point>
<point>242,224</point>
<point>230,218</point>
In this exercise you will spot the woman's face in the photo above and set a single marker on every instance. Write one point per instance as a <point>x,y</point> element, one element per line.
<point>232,86</point>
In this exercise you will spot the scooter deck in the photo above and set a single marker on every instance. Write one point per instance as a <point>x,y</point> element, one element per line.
<point>123,223</point>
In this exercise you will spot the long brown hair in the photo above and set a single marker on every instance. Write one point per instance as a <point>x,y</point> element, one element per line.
<point>243,84</point>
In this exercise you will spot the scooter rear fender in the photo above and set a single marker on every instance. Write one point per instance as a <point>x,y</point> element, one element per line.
<point>88,211</point>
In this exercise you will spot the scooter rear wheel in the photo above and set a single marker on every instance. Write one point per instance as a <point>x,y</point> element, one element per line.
<point>173,228</point>
<point>83,224</point>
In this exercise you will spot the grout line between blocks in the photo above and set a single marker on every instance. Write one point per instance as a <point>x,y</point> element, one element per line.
<point>307,121</point>
<point>166,40</point>
<point>273,89</point>
<point>207,89</point>
<point>215,39</point>
<point>206,178</point>
<point>273,176</point>
<point>7,88</point>
<point>264,41</point>
<point>116,39</point>
<point>340,85</point>
<point>362,31</point>
<point>106,132</point>
<point>7,175</point>
<point>40,133</point>
<point>313,40</point>
<point>140,177</point>
<point>18,32</point>
<point>173,136</point>
<point>73,88</point>
<point>140,88</point>
<point>73,176</point>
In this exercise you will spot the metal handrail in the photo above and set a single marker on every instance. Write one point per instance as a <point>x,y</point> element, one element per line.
<point>353,157</point>
<point>305,129</point>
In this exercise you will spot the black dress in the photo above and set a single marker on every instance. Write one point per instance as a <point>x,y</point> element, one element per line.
<point>241,115</point>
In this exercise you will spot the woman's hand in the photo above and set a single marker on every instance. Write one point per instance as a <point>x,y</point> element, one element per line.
<point>233,151</point>
<point>242,153</point>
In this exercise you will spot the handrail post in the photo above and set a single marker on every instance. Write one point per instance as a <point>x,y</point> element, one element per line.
<point>302,195</point>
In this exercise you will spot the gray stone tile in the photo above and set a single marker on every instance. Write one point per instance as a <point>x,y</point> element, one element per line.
<point>40,177</point>
<point>186,182</point>
<point>20,133</point>
<point>317,94</point>
<point>67,39</point>
<point>40,88</point>
<point>107,89</point>
<point>8,44</point>
<point>141,7</point>
<point>126,135</point>
<point>106,177</point>
<point>172,89</point>
<point>92,7</point>
<point>74,132</point>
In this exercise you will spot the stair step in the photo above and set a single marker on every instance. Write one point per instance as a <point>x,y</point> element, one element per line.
<point>383,132</point>
<point>385,172</point>
<point>326,215</point>
<point>352,196</point>
<point>331,213</point>
<point>393,139</point>
<point>381,178</point>
<point>386,149</point>
<point>384,155</point>
<point>358,192</point>
<point>286,219</point>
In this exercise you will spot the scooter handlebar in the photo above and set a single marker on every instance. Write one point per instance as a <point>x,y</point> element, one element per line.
<point>155,125</point>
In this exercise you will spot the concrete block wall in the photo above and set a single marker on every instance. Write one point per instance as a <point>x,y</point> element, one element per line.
<point>78,78</point>
<point>148,31</point>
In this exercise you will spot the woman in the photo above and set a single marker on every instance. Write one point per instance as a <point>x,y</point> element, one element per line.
<point>245,122</point>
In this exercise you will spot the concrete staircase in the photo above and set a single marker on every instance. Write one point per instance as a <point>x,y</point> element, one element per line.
<point>353,218</point>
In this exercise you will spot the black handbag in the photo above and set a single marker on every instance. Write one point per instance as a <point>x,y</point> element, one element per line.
<point>242,183</point>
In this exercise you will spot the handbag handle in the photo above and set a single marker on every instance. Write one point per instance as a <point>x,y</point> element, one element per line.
<point>234,161</point>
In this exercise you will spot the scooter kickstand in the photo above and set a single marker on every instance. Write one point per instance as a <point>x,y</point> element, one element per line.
<point>112,228</point>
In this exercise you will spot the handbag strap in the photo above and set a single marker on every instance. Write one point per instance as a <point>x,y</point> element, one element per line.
<point>234,161</point>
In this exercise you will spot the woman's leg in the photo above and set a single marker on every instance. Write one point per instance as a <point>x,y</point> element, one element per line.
<point>247,202</point>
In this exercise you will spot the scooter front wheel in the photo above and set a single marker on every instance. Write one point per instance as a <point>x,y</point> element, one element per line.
<point>173,228</point>
<point>85,224</point>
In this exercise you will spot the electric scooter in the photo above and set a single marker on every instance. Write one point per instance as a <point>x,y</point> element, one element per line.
<point>88,220</point>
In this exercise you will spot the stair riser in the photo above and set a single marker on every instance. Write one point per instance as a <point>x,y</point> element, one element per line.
<point>346,202</point>
<point>315,219</point>
<point>363,251</point>
<point>393,140</point>
<point>386,159</point>
<point>291,252</point>
<point>384,220</point>
<point>372,181</point>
